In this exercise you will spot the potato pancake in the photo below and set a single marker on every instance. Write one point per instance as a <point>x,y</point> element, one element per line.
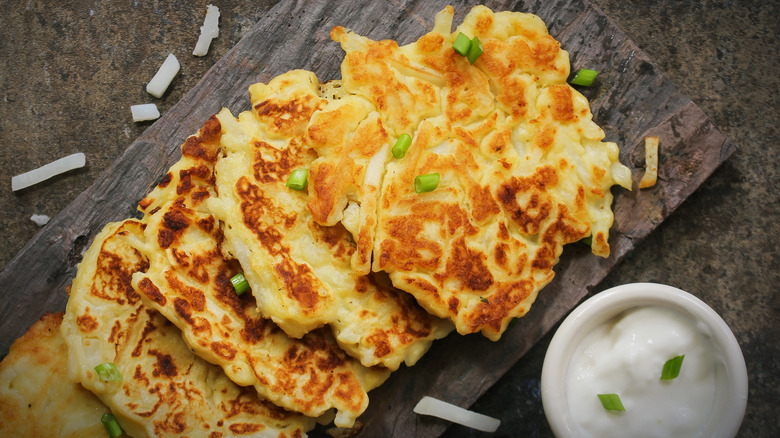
<point>36,396</point>
<point>188,281</point>
<point>164,389</point>
<point>300,271</point>
<point>522,168</point>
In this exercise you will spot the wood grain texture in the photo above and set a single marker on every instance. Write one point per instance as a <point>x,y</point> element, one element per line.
<point>631,99</point>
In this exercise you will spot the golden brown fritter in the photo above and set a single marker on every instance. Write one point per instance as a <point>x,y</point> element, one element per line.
<point>37,398</point>
<point>300,271</point>
<point>523,169</point>
<point>165,390</point>
<point>188,281</point>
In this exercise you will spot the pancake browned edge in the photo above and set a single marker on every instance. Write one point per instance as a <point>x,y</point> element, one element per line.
<point>37,399</point>
<point>188,281</point>
<point>522,167</point>
<point>165,389</point>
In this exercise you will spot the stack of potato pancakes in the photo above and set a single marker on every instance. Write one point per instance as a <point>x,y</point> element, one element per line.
<point>351,273</point>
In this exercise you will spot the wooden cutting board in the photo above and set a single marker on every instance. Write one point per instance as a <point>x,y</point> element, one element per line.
<point>630,100</point>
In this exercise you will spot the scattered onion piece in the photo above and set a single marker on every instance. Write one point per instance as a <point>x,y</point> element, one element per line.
<point>27,179</point>
<point>437,408</point>
<point>584,77</point>
<point>40,219</point>
<point>168,70</point>
<point>208,31</point>
<point>651,163</point>
<point>144,112</point>
<point>113,429</point>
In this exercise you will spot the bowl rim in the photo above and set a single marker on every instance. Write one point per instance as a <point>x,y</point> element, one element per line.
<point>611,302</point>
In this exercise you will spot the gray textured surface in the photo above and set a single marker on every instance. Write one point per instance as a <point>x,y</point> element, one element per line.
<point>69,71</point>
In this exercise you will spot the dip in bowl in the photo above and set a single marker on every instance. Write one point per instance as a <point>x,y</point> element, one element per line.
<point>610,368</point>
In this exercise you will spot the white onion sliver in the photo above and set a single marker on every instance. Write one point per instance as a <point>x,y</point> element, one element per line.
<point>208,31</point>
<point>168,70</point>
<point>47,171</point>
<point>40,219</point>
<point>437,408</point>
<point>144,112</point>
<point>650,176</point>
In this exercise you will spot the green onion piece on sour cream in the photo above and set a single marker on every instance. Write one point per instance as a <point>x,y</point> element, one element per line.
<point>611,402</point>
<point>672,368</point>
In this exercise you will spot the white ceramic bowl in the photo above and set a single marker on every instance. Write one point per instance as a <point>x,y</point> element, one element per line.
<point>731,374</point>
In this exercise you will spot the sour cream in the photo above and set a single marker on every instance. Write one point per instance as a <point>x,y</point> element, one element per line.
<point>625,356</point>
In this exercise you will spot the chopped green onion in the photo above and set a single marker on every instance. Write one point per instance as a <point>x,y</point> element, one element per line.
<point>297,180</point>
<point>112,426</point>
<point>587,240</point>
<point>584,77</point>
<point>426,183</point>
<point>484,300</point>
<point>611,402</point>
<point>239,283</point>
<point>108,372</point>
<point>672,368</point>
<point>470,48</point>
<point>402,145</point>
<point>475,50</point>
<point>462,44</point>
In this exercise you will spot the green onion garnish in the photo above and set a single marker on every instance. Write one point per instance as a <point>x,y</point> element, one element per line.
<point>470,48</point>
<point>108,372</point>
<point>112,426</point>
<point>672,368</point>
<point>239,283</point>
<point>475,50</point>
<point>611,402</point>
<point>426,183</point>
<point>587,240</point>
<point>402,145</point>
<point>297,180</point>
<point>584,77</point>
<point>462,44</point>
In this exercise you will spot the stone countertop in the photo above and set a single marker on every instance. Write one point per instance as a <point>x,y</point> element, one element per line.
<point>69,71</point>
